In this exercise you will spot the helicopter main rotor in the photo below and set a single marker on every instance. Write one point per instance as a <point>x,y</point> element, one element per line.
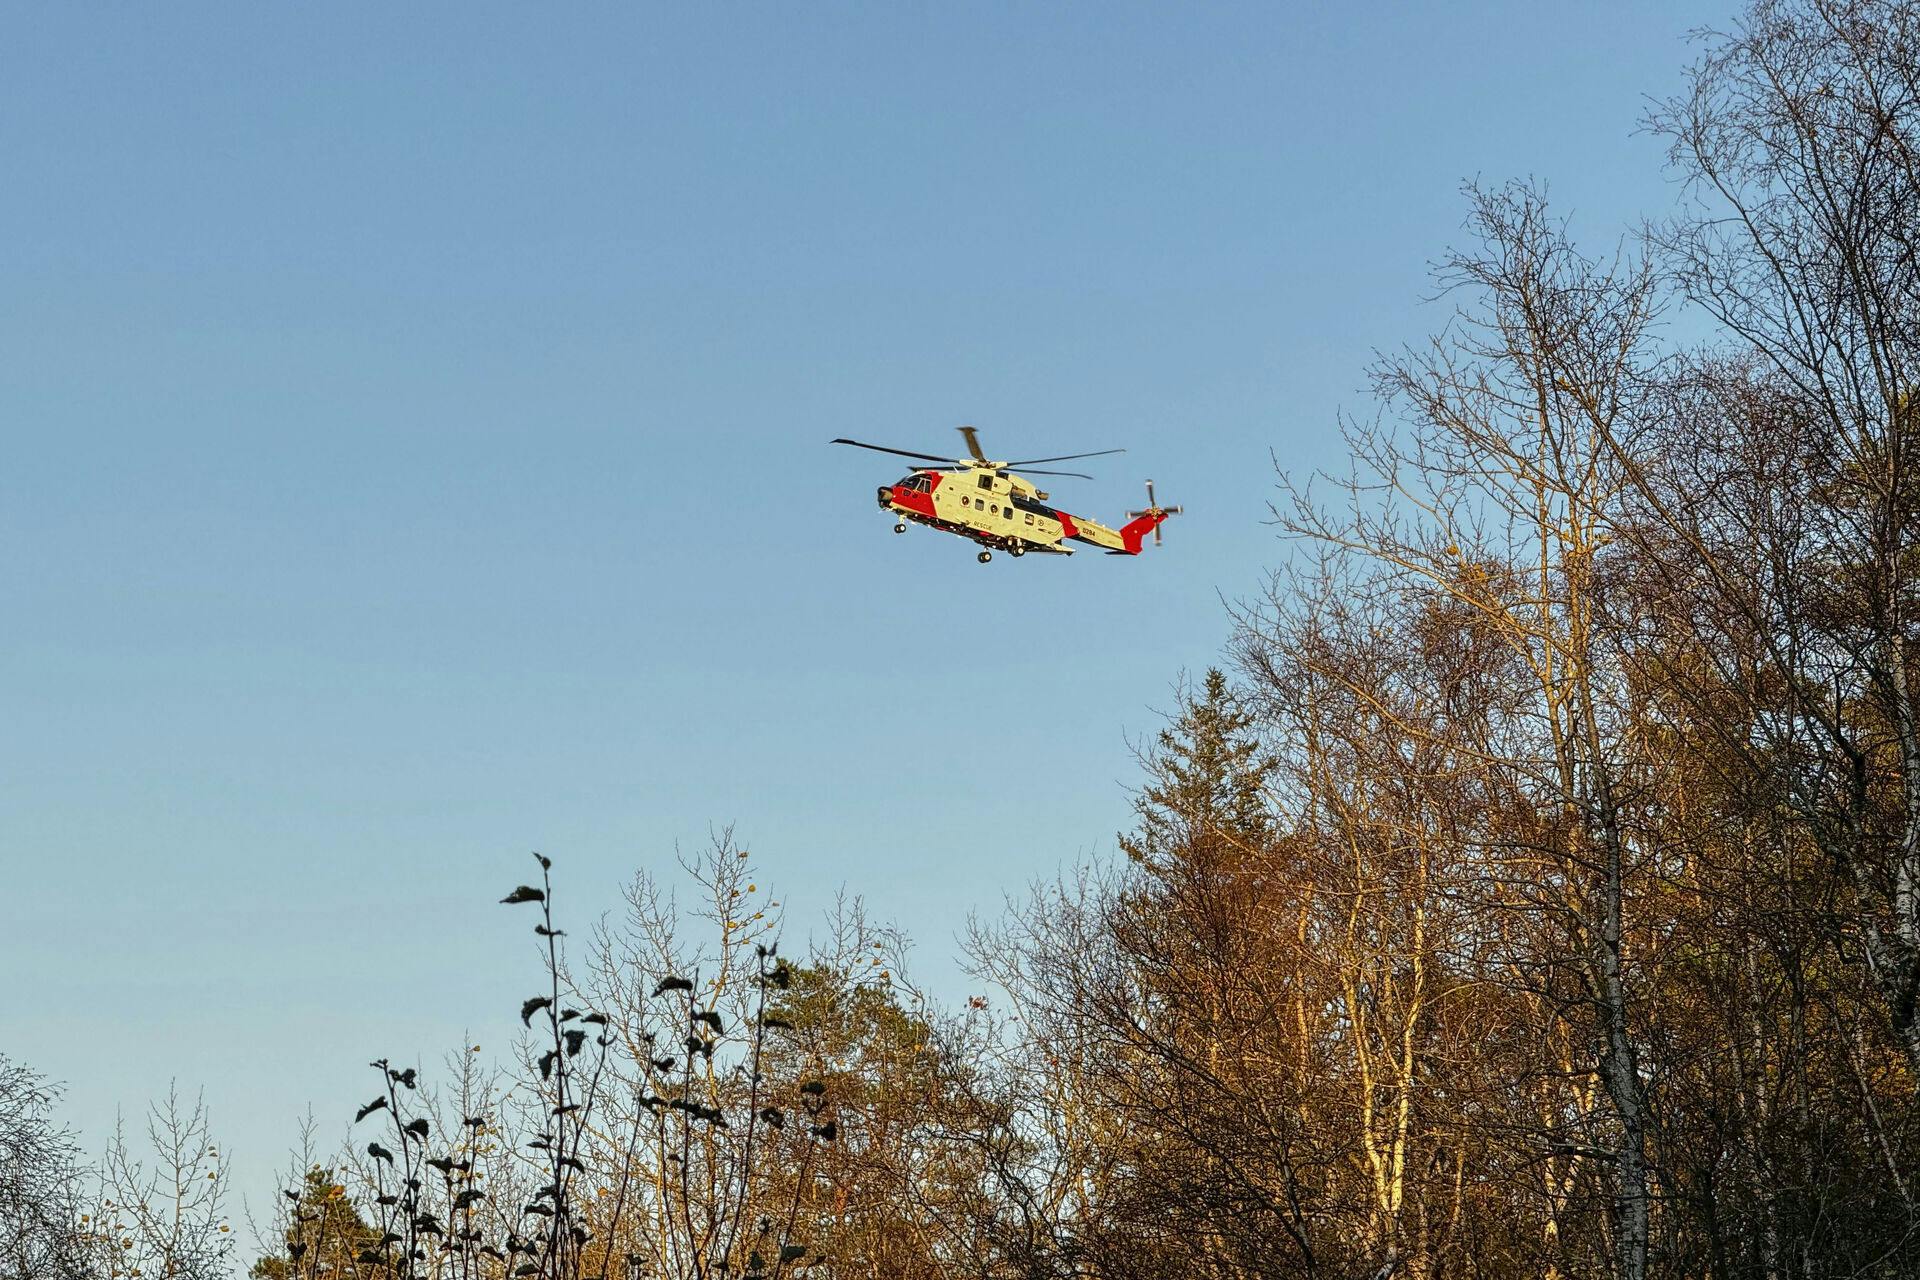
<point>979,461</point>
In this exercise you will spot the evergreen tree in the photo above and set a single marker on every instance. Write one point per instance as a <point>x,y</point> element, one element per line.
<point>1203,800</point>
<point>323,1232</point>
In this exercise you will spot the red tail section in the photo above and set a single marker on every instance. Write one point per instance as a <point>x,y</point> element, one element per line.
<point>1134,531</point>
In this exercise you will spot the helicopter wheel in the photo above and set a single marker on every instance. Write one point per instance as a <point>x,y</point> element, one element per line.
<point>901,527</point>
<point>1017,552</point>
<point>985,556</point>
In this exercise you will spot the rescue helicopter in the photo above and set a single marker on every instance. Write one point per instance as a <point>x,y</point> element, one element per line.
<point>993,504</point>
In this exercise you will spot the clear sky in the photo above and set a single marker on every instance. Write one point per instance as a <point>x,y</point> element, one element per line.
<point>415,426</point>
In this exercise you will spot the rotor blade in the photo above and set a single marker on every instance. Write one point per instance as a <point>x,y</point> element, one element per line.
<point>905,453</point>
<point>1028,471</point>
<point>973,444</point>
<point>1068,457</point>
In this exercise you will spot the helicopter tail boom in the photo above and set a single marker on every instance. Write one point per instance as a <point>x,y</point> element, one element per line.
<point>1127,540</point>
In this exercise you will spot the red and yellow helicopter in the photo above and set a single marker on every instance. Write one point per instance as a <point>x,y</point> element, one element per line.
<point>988,502</point>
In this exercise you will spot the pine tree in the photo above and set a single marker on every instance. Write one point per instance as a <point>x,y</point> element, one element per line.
<point>1203,803</point>
<point>324,1234</point>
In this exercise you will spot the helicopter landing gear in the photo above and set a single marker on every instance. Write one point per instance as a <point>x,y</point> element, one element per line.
<point>901,527</point>
<point>1017,552</point>
<point>984,556</point>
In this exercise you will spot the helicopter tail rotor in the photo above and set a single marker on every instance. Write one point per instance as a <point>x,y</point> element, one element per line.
<point>1154,511</point>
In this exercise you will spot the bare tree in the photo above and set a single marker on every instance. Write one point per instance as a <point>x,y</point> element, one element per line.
<point>46,1232</point>
<point>166,1210</point>
<point>1497,503</point>
<point>1797,137</point>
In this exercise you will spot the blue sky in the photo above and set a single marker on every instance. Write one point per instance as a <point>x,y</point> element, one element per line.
<point>415,428</point>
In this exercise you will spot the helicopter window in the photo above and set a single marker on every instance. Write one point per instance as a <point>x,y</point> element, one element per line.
<point>986,482</point>
<point>996,508</point>
<point>1029,517</point>
<point>965,501</point>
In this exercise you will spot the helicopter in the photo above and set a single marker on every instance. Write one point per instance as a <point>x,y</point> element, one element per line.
<point>990,503</point>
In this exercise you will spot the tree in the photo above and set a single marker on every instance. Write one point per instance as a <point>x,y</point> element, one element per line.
<point>1155,1068</point>
<point>1797,139</point>
<point>156,1214</point>
<point>1487,525</point>
<point>46,1231</point>
<point>321,1231</point>
<point>166,1210</point>
<point>642,1131</point>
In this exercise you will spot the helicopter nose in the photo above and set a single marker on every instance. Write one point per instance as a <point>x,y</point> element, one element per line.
<point>886,495</point>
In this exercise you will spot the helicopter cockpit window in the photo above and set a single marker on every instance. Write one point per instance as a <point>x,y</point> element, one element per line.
<point>916,482</point>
